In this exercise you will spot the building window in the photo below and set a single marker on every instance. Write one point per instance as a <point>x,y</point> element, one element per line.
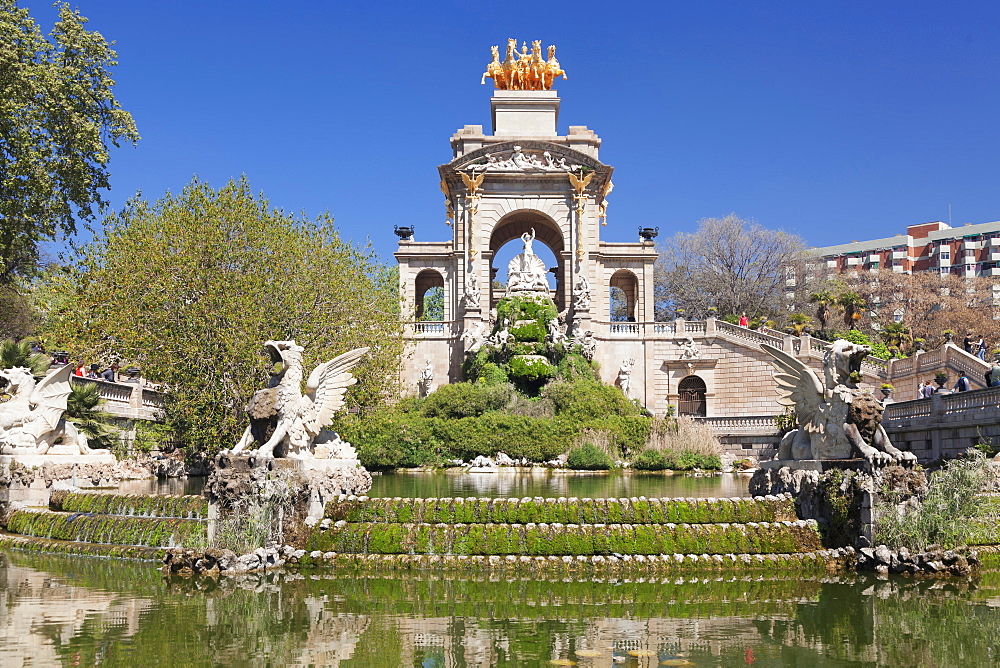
<point>946,254</point>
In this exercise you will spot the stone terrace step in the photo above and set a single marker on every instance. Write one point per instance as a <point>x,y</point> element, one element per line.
<point>130,505</point>
<point>567,511</point>
<point>107,529</point>
<point>594,566</point>
<point>557,539</point>
<point>72,547</point>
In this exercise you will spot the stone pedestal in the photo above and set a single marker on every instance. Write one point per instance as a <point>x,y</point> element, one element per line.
<point>305,486</point>
<point>841,493</point>
<point>525,113</point>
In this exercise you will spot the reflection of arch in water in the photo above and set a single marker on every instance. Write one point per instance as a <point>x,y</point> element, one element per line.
<point>547,232</point>
<point>425,281</point>
<point>624,286</point>
<point>691,397</point>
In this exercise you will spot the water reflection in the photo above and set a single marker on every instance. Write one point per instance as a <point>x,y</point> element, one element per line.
<point>504,483</point>
<point>79,611</point>
<point>549,483</point>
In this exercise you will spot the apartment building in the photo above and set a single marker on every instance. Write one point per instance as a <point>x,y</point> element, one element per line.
<point>968,251</point>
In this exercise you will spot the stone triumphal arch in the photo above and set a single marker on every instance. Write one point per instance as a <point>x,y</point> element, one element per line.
<point>523,178</point>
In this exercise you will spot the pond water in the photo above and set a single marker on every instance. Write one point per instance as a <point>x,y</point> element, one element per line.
<point>506,483</point>
<point>550,483</point>
<point>62,610</point>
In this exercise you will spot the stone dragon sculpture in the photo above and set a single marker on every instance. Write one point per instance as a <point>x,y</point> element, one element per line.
<point>297,419</point>
<point>836,419</point>
<point>31,419</point>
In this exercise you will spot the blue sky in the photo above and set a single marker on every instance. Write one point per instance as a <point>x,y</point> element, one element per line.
<point>835,121</point>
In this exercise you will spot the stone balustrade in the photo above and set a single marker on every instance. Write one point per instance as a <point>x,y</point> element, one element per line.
<point>431,328</point>
<point>764,425</point>
<point>129,401</point>
<point>945,425</point>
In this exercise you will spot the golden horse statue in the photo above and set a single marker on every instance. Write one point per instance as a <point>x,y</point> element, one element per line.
<point>523,71</point>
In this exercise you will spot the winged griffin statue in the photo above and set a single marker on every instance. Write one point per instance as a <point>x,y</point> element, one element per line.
<point>298,419</point>
<point>31,417</point>
<point>836,419</point>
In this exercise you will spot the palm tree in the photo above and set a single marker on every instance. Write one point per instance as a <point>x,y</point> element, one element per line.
<point>799,322</point>
<point>18,354</point>
<point>823,300</point>
<point>83,410</point>
<point>893,333</point>
<point>853,304</point>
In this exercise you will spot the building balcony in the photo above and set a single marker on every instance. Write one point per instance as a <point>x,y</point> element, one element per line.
<point>873,258</point>
<point>831,264</point>
<point>971,245</point>
<point>993,256</point>
<point>854,261</point>
<point>993,243</point>
<point>990,272</point>
<point>900,254</point>
<point>944,261</point>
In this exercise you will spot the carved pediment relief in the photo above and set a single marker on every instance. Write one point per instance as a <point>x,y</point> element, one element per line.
<point>525,157</point>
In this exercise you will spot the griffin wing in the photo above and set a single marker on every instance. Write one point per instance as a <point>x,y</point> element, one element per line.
<point>326,387</point>
<point>580,184</point>
<point>798,387</point>
<point>48,401</point>
<point>472,183</point>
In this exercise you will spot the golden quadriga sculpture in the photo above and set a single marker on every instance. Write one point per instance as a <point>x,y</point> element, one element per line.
<point>523,71</point>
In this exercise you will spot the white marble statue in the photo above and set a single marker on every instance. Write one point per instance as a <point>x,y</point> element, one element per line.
<point>426,378</point>
<point>501,338</point>
<point>556,334</point>
<point>625,377</point>
<point>582,293</point>
<point>588,344</point>
<point>31,415</point>
<point>475,337</point>
<point>526,272</point>
<point>472,293</point>
<point>836,419</point>
<point>688,350</point>
<point>298,418</point>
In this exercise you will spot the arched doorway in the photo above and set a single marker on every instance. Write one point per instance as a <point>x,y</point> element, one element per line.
<point>691,397</point>
<point>623,297</point>
<point>428,293</point>
<point>547,232</point>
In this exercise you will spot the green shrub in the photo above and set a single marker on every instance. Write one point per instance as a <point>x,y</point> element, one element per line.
<point>493,374</point>
<point>459,400</point>
<point>879,349</point>
<point>588,457</point>
<point>583,400</point>
<point>531,331</point>
<point>573,366</point>
<point>512,309</point>
<point>649,460</point>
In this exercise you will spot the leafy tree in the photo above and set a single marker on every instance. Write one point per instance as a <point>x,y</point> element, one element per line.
<point>58,116</point>
<point>433,304</point>
<point>190,286</point>
<point>731,264</point>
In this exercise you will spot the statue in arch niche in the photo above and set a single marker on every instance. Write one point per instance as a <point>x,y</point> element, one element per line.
<point>526,272</point>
